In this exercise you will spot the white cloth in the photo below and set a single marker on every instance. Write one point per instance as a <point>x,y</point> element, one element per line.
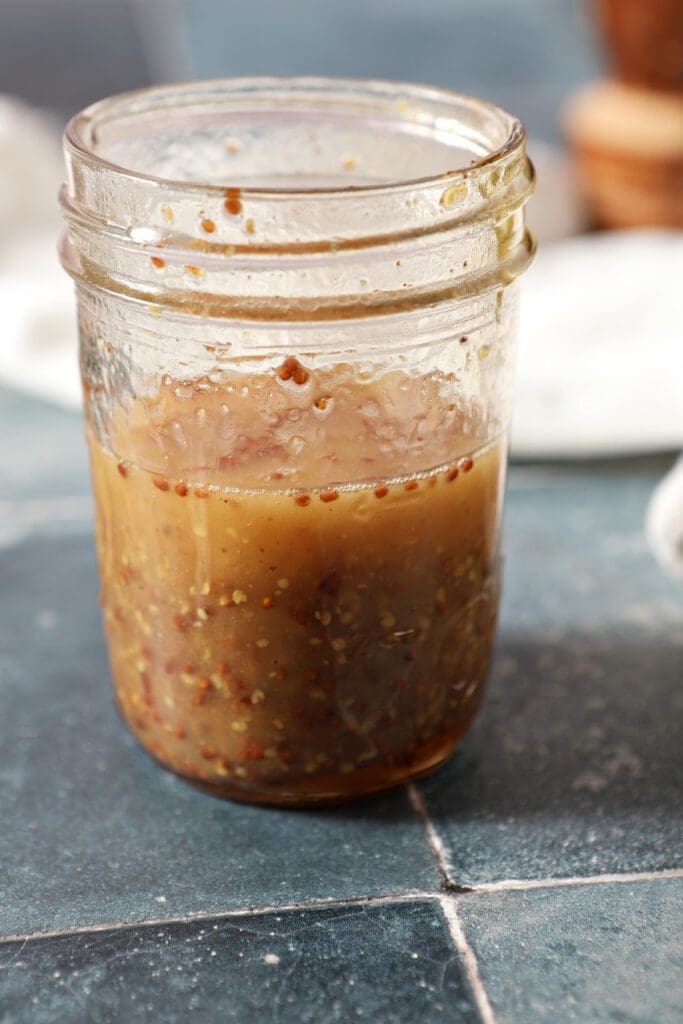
<point>601,352</point>
<point>38,351</point>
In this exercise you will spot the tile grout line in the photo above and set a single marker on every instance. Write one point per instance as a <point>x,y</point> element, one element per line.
<point>511,885</point>
<point>467,957</point>
<point>523,884</point>
<point>221,915</point>
<point>434,841</point>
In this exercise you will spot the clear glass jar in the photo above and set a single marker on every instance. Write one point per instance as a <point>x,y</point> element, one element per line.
<point>297,323</point>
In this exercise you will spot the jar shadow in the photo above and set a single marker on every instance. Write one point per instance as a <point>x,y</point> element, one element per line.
<point>581,729</point>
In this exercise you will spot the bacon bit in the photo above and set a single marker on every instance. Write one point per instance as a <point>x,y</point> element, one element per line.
<point>203,684</point>
<point>201,492</point>
<point>381,492</point>
<point>276,475</point>
<point>466,464</point>
<point>255,752</point>
<point>181,490</point>
<point>233,203</point>
<point>267,602</point>
<point>322,402</point>
<point>303,500</point>
<point>329,496</point>
<point>292,369</point>
<point>286,756</point>
<point>192,269</point>
<point>158,262</point>
<point>410,485</point>
<point>208,753</point>
<point>208,225</point>
<point>280,672</point>
<point>452,473</point>
<point>122,470</point>
<point>179,621</point>
<point>179,732</point>
<point>161,483</point>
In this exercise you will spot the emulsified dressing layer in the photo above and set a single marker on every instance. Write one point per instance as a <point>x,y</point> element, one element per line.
<point>299,577</point>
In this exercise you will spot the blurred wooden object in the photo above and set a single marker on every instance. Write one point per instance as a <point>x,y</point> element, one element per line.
<point>645,41</point>
<point>626,133</point>
<point>628,148</point>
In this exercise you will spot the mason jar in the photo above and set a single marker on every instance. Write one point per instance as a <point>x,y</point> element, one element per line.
<point>297,310</point>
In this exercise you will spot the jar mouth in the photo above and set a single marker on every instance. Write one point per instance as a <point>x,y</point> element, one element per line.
<point>291,199</point>
<point>458,126</point>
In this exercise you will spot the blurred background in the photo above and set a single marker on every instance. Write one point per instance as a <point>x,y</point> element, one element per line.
<point>598,83</point>
<point>527,55</point>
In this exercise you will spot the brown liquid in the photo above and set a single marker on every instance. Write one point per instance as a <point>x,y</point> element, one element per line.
<point>276,636</point>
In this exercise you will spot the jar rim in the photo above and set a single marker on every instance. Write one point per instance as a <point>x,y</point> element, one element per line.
<point>371,246</point>
<point>80,135</point>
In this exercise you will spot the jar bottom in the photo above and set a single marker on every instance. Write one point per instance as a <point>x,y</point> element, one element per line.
<point>336,788</point>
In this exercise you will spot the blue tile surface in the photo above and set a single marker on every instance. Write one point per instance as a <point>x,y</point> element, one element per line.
<point>94,831</point>
<point>595,953</point>
<point>574,767</point>
<point>44,457</point>
<point>390,964</point>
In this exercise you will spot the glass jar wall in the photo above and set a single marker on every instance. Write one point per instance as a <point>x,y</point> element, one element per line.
<point>297,319</point>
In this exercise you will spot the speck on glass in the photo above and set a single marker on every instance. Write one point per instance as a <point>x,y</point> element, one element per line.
<point>297,309</point>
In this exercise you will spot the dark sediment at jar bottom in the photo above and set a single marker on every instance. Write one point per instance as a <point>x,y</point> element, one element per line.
<point>334,789</point>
